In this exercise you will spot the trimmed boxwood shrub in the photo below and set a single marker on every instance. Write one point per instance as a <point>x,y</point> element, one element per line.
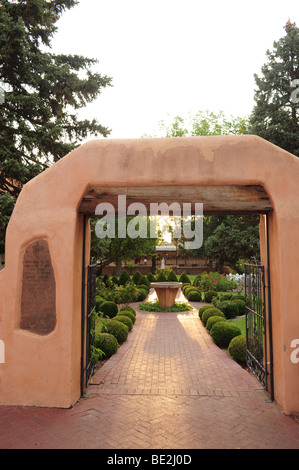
<point>125,320</point>
<point>225,295</point>
<point>118,329</point>
<point>151,277</point>
<point>143,281</point>
<point>184,279</point>
<point>223,332</point>
<point>239,296</point>
<point>188,289</point>
<point>124,277</point>
<point>212,320</point>
<point>202,309</point>
<point>210,312</point>
<point>107,343</point>
<point>172,277</point>
<point>99,302</point>
<point>128,314</point>
<point>241,306</point>
<point>129,308</point>
<point>109,308</point>
<point>237,349</point>
<point>161,277</point>
<point>194,295</point>
<point>229,308</point>
<point>136,276</point>
<point>114,279</point>
<point>208,296</point>
<point>142,294</point>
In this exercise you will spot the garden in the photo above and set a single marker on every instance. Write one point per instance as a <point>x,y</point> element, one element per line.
<point>223,315</point>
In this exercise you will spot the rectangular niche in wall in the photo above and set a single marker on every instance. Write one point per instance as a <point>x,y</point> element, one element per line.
<point>38,303</point>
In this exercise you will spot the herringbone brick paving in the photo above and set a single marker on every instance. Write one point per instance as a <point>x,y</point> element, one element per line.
<point>168,387</point>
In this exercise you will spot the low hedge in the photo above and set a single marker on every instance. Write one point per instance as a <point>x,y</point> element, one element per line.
<point>237,349</point>
<point>208,296</point>
<point>241,306</point>
<point>194,295</point>
<point>202,309</point>
<point>142,294</point>
<point>229,308</point>
<point>109,309</point>
<point>125,320</point>
<point>107,343</point>
<point>223,332</point>
<point>128,308</point>
<point>118,329</point>
<point>210,312</point>
<point>128,314</point>
<point>212,320</point>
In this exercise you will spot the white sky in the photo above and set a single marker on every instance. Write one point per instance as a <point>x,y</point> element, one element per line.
<point>170,57</point>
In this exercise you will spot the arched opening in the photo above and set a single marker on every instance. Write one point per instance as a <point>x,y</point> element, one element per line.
<point>215,200</point>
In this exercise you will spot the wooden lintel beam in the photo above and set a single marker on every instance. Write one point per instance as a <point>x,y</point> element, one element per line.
<point>215,199</point>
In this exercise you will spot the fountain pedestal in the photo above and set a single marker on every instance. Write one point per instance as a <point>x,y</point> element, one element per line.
<point>166,292</point>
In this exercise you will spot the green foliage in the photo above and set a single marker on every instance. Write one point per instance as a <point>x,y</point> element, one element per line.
<point>143,281</point>
<point>210,312</point>
<point>276,113</point>
<point>126,294</point>
<point>128,314</point>
<point>194,296</point>
<point>161,277</point>
<point>124,278</point>
<point>237,349</point>
<point>171,277</point>
<point>212,320</point>
<point>128,308</point>
<point>208,296</point>
<point>43,91</point>
<point>204,123</point>
<point>230,309</point>
<point>184,279</point>
<point>109,309</point>
<point>223,332</point>
<point>241,306</point>
<point>117,329</point>
<point>235,238</point>
<point>125,320</point>
<point>107,343</point>
<point>151,277</point>
<point>155,307</point>
<point>142,294</point>
<point>116,249</point>
<point>99,302</point>
<point>136,276</point>
<point>202,309</point>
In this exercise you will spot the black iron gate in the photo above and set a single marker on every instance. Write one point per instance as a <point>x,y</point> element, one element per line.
<point>90,309</point>
<point>257,350</point>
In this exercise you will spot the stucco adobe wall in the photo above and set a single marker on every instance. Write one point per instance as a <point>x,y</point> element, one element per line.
<point>49,372</point>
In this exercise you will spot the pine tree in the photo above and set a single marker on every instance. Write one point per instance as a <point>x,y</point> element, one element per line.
<point>276,113</point>
<point>43,91</point>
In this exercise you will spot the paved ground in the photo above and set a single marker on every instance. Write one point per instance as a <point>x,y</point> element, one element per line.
<point>168,387</point>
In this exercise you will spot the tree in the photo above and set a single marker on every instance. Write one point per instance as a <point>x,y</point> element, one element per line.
<point>235,239</point>
<point>43,91</point>
<point>276,113</point>
<point>108,250</point>
<point>204,123</point>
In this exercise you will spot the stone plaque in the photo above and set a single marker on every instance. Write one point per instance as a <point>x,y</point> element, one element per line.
<point>38,304</point>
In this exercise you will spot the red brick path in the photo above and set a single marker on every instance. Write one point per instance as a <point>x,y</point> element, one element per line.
<point>168,387</point>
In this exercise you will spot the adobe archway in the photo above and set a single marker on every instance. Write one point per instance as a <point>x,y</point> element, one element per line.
<point>43,346</point>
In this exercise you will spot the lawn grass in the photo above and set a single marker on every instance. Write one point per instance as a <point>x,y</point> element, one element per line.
<point>240,322</point>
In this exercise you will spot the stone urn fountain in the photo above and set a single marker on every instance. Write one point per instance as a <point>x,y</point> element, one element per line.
<point>166,292</point>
